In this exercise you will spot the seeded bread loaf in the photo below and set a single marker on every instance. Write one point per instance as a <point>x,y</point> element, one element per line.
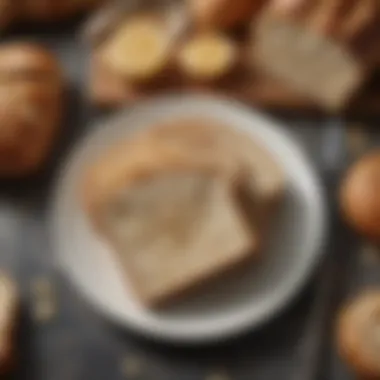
<point>173,220</point>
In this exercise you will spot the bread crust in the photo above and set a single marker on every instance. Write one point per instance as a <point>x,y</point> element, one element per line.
<point>360,196</point>
<point>146,157</point>
<point>31,102</point>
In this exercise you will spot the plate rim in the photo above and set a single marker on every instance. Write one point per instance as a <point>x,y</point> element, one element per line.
<point>252,323</point>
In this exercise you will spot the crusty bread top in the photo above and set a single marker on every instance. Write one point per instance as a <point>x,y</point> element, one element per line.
<point>192,145</point>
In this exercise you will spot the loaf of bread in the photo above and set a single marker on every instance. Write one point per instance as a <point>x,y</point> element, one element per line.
<point>31,96</point>
<point>324,49</point>
<point>8,318</point>
<point>172,219</point>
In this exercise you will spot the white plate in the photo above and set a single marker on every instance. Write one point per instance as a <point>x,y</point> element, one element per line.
<point>224,309</point>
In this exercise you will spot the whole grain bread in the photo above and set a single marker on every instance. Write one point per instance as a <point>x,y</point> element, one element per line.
<point>173,219</point>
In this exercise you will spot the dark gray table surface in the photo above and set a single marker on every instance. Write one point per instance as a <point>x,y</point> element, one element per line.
<point>77,344</point>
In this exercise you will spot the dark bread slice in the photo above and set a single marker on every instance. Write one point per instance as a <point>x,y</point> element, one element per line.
<point>172,218</point>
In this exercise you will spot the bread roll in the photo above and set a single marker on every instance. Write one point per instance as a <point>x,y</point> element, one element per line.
<point>359,335</point>
<point>31,96</point>
<point>173,220</point>
<point>360,196</point>
<point>139,49</point>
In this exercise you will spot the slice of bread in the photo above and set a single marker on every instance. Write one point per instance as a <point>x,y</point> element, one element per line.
<point>325,50</point>
<point>8,316</point>
<point>173,219</point>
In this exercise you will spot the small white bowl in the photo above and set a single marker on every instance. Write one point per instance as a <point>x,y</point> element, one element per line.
<point>229,307</point>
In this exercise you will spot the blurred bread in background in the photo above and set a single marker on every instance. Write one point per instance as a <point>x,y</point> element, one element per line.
<point>31,101</point>
<point>358,334</point>
<point>325,50</point>
<point>360,195</point>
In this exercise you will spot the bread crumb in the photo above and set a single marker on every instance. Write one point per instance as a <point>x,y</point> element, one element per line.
<point>217,375</point>
<point>44,300</point>
<point>131,366</point>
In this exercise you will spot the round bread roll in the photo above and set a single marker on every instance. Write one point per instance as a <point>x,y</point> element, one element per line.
<point>139,49</point>
<point>31,92</point>
<point>207,56</point>
<point>358,335</point>
<point>223,13</point>
<point>360,196</point>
